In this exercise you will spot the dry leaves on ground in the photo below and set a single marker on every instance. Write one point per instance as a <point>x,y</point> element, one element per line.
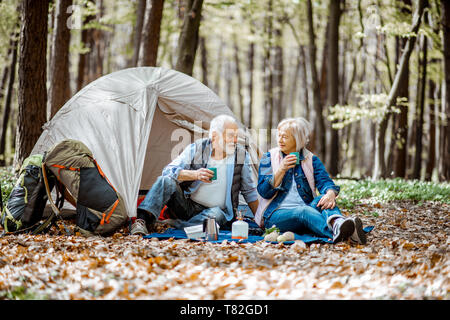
<point>406,258</point>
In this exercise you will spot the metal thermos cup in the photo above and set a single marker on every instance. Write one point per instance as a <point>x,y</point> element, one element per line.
<point>210,229</point>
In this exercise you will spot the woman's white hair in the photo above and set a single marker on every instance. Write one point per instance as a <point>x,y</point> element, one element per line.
<point>218,123</point>
<point>300,129</point>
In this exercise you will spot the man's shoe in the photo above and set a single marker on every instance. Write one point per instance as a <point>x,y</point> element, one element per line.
<point>343,228</point>
<point>358,236</point>
<point>138,227</point>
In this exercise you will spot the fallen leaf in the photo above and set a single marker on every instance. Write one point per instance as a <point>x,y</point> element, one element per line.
<point>219,292</point>
<point>337,285</point>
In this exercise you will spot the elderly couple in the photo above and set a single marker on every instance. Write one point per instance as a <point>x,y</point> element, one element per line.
<point>286,187</point>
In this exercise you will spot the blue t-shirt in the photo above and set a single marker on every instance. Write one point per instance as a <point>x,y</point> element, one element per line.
<point>293,199</point>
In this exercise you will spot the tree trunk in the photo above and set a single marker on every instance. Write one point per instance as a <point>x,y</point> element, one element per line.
<point>229,85</point>
<point>400,137</point>
<point>251,67</point>
<point>406,8</point>
<point>420,108</point>
<point>319,130</point>
<point>50,36</point>
<point>86,35</point>
<point>398,155</point>
<point>204,60</point>
<point>32,94</point>
<point>333,80</point>
<point>239,80</point>
<point>278,75</point>
<point>218,75</point>
<point>5,72</point>
<point>445,20</point>
<point>324,81</point>
<point>268,75</point>
<point>140,16</point>
<point>4,79</point>
<point>9,95</point>
<point>99,45</point>
<point>187,43</point>
<point>380,164</point>
<point>152,32</point>
<point>293,84</point>
<point>59,91</point>
<point>431,159</point>
<point>13,131</point>
<point>305,81</point>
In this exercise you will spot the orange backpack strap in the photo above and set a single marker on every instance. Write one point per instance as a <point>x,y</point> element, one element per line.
<point>60,167</point>
<point>103,174</point>
<point>106,218</point>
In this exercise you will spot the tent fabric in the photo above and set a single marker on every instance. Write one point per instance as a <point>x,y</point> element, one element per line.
<point>128,118</point>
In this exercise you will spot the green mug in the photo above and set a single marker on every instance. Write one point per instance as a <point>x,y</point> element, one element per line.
<point>215,173</point>
<point>297,155</point>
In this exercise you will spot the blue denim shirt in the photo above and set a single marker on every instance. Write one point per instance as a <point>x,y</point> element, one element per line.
<point>265,182</point>
<point>248,186</point>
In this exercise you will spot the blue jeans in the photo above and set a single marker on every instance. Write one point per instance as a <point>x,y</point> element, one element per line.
<point>304,219</point>
<point>183,211</point>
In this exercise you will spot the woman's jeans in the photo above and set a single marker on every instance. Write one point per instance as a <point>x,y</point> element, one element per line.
<point>183,211</point>
<point>304,219</point>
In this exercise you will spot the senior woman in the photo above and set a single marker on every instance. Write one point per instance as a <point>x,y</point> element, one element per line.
<point>287,189</point>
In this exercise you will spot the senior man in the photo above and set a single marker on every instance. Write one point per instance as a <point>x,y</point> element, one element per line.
<point>185,185</point>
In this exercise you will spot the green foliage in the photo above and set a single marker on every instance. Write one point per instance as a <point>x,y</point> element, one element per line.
<point>220,4</point>
<point>370,106</point>
<point>391,189</point>
<point>270,230</point>
<point>9,17</point>
<point>20,293</point>
<point>7,181</point>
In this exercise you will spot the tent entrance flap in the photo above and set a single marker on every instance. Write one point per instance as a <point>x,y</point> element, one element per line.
<point>167,140</point>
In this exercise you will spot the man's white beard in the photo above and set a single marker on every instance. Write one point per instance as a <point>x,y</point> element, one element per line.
<point>229,148</point>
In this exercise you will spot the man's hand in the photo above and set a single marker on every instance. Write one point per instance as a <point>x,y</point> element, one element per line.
<point>253,206</point>
<point>204,175</point>
<point>328,201</point>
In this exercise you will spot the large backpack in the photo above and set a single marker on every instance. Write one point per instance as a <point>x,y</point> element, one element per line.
<point>26,202</point>
<point>100,209</point>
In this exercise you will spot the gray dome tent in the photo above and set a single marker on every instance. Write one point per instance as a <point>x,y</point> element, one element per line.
<point>129,120</point>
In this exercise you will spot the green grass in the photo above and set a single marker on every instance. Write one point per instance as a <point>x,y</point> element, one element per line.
<point>7,181</point>
<point>390,190</point>
<point>20,293</point>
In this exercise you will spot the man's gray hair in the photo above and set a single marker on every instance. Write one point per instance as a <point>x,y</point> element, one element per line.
<point>300,129</point>
<point>218,123</point>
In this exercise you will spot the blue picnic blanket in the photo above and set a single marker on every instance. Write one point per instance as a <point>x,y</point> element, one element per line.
<point>226,235</point>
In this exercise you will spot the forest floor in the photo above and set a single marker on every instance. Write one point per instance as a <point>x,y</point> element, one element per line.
<point>406,257</point>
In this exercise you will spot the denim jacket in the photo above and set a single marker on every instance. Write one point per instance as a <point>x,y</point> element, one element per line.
<point>247,187</point>
<point>266,181</point>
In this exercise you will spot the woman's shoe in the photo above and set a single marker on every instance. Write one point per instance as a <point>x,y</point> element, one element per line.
<point>343,228</point>
<point>358,236</point>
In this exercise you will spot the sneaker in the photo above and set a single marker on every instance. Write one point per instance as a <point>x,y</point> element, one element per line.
<point>139,228</point>
<point>343,228</point>
<point>358,236</point>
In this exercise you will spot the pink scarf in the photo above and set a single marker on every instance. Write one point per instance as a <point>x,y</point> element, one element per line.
<point>275,159</point>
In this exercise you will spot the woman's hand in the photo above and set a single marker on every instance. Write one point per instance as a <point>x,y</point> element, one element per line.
<point>328,201</point>
<point>288,162</point>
